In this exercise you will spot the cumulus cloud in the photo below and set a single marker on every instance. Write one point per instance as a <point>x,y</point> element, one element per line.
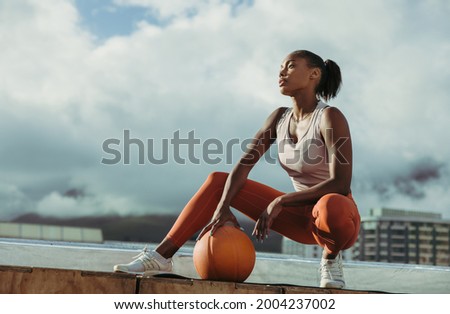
<point>211,66</point>
<point>63,205</point>
<point>13,201</point>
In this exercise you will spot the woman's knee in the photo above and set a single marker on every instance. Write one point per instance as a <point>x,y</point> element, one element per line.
<point>217,178</point>
<point>218,175</point>
<point>335,208</point>
<point>336,218</point>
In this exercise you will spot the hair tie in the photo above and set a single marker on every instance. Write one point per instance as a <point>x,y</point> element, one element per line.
<point>324,69</point>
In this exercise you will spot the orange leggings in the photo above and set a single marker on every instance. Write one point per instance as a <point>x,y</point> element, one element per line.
<point>333,227</point>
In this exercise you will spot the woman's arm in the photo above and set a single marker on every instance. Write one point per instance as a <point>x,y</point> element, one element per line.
<point>336,134</point>
<point>261,142</point>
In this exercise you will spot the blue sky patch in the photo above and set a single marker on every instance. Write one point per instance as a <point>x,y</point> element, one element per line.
<point>104,19</point>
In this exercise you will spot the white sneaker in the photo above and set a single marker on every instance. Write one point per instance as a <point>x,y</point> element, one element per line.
<point>331,273</point>
<point>147,262</point>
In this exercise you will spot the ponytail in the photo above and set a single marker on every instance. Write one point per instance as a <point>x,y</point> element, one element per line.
<point>330,80</point>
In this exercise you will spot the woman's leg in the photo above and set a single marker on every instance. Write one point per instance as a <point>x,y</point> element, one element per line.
<point>335,228</point>
<point>336,223</point>
<point>333,222</point>
<point>195,215</point>
<point>252,200</point>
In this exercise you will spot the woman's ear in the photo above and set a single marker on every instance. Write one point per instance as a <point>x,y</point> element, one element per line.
<point>315,74</point>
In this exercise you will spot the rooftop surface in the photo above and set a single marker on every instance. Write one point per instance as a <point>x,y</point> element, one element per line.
<point>270,269</point>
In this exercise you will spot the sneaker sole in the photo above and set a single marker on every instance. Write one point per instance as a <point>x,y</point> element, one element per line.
<point>333,285</point>
<point>151,272</point>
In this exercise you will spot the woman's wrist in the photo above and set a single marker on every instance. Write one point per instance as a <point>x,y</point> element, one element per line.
<point>224,202</point>
<point>223,206</point>
<point>282,200</point>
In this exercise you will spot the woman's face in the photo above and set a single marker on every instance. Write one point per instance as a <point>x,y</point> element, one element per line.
<point>295,76</point>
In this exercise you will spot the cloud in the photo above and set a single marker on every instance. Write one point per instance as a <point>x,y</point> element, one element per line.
<point>211,66</point>
<point>422,185</point>
<point>13,201</point>
<point>57,205</point>
<point>412,180</point>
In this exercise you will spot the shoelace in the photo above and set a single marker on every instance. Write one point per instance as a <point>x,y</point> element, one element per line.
<point>142,253</point>
<point>331,270</point>
<point>145,257</point>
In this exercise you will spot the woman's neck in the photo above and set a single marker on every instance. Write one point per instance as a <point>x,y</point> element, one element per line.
<point>303,105</point>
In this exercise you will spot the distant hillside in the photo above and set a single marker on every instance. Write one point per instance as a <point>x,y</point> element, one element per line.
<point>147,228</point>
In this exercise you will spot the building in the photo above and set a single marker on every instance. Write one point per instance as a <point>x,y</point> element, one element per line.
<point>49,232</point>
<point>291,247</point>
<point>301,250</point>
<point>401,236</point>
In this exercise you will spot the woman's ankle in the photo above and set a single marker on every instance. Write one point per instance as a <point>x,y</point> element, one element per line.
<point>167,248</point>
<point>329,255</point>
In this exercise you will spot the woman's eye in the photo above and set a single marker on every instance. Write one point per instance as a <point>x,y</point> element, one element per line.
<point>291,66</point>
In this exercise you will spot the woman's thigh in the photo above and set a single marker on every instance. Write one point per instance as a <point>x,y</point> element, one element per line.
<point>295,223</point>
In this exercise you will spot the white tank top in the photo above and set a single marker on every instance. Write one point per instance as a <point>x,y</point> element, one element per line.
<point>306,160</point>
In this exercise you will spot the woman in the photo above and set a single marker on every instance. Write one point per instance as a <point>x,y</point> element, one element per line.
<point>315,149</point>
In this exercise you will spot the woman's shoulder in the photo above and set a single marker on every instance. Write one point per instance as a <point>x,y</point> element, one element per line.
<point>331,112</point>
<point>282,110</point>
<point>332,116</point>
<point>275,117</point>
<point>278,113</point>
<point>281,114</point>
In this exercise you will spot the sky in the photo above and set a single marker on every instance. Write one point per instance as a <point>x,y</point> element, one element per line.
<point>81,76</point>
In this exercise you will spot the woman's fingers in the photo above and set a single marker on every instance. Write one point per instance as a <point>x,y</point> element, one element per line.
<point>255,229</point>
<point>261,229</point>
<point>267,227</point>
<point>220,222</point>
<point>216,226</point>
<point>205,230</point>
<point>217,223</point>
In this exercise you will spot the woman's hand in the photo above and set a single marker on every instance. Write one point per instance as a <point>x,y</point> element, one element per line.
<point>263,224</point>
<point>222,216</point>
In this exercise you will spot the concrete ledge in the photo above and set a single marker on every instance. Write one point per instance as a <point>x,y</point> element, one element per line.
<point>23,280</point>
<point>293,274</point>
<point>51,281</point>
<point>315,290</point>
<point>174,286</point>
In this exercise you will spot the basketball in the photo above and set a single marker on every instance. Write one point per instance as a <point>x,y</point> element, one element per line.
<point>227,255</point>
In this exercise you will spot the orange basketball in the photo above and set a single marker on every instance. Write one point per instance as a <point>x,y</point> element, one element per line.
<point>227,255</point>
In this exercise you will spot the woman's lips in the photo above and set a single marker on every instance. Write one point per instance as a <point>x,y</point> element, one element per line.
<point>281,82</point>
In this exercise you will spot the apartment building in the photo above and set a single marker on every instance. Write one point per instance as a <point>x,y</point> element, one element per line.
<point>402,236</point>
<point>308,250</point>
